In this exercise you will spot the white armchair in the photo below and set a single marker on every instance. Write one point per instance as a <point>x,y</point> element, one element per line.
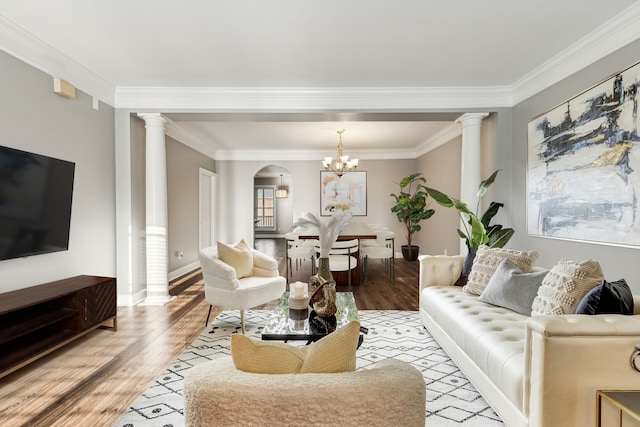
<point>223,288</point>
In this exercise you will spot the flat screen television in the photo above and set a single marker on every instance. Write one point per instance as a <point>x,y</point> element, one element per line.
<point>35,203</point>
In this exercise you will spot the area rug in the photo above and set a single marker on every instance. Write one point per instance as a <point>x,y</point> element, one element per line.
<point>451,399</point>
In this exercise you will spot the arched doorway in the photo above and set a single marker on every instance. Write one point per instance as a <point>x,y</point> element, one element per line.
<point>273,216</point>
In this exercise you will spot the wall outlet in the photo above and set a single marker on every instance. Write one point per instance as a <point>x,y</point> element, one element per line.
<point>179,254</point>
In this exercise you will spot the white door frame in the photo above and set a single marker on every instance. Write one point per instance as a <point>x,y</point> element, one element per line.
<point>210,199</point>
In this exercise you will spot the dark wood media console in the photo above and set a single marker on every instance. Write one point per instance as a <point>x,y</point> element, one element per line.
<point>38,320</point>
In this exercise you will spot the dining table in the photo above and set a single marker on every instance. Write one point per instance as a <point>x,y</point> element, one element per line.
<point>354,230</point>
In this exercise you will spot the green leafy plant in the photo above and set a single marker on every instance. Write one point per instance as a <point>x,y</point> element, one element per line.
<point>411,205</point>
<point>477,229</point>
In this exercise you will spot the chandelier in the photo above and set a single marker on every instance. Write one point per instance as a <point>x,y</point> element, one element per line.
<point>341,164</point>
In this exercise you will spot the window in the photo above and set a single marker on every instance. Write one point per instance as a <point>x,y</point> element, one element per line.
<point>265,205</point>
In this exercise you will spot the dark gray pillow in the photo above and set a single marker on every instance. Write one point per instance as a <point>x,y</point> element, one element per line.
<point>607,298</point>
<point>510,288</point>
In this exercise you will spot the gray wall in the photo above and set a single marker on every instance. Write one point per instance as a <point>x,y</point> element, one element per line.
<point>616,262</point>
<point>183,181</point>
<point>383,177</point>
<point>441,168</point>
<point>33,118</point>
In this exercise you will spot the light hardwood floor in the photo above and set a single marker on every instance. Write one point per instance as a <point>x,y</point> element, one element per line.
<point>92,381</point>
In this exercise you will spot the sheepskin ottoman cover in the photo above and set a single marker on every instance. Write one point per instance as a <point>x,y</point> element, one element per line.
<point>391,393</point>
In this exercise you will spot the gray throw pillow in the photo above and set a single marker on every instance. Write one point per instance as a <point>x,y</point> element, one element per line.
<point>510,288</point>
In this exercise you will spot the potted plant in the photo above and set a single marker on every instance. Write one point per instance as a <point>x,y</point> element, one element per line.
<point>477,229</point>
<point>411,208</point>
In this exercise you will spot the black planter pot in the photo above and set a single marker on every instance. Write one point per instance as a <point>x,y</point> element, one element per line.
<point>466,266</point>
<point>410,253</point>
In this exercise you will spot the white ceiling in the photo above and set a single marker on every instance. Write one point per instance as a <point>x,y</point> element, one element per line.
<point>451,46</point>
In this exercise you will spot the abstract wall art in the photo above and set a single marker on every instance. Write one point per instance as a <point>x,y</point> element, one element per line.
<point>583,171</point>
<point>343,193</point>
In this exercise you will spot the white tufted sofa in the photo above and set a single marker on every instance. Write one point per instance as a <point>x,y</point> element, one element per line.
<point>540,371</point>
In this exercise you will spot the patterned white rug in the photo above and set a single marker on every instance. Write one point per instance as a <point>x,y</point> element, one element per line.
<point>451,399</point>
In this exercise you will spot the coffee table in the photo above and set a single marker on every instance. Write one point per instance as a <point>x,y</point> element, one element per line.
<point>285,325</point>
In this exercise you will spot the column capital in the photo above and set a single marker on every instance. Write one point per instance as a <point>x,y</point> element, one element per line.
<point>471,118</point>
<point>153,119</point>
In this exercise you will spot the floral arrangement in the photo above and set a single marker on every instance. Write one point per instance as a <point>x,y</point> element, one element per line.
<point>328,231</point>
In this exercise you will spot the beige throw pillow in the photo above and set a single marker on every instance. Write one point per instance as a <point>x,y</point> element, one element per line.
<point>333,353</point>
<point>238,257</point>
<point>565,285</point>
<point>487,261</point>
<point>265,357</point>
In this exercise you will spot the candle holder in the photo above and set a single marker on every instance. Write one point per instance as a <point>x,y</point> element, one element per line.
<point>298,300</point>
<point>298,307</point>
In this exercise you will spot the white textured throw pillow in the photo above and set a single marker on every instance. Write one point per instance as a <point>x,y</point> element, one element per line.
<point>565,285</point>
<point>486,262</point>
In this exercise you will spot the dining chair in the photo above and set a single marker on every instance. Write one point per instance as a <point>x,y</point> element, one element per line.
<point>383,248</point>
<point>343,256</point>
<point>376,228</point>
<point>300,251</point>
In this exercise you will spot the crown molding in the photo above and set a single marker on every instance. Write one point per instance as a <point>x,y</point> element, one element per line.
<point>30,49</point>
<point>179,133</point>
<point>604,40</point>
<point>317,155</point>
<point>452,131</point>
<point>221,99</point>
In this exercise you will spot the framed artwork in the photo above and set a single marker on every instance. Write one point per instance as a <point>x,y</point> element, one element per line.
<point>347,193</point>
<point>583,165</point>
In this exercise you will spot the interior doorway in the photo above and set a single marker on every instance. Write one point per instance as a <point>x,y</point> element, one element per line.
<point>207,209</point>
<point>273,216</point>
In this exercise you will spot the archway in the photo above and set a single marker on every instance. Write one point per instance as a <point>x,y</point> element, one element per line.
<point>273,216</point>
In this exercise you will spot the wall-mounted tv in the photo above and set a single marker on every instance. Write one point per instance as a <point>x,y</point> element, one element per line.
<point>35,203</point>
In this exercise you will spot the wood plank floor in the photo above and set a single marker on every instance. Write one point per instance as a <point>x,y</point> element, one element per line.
<point>378,293</point>
<point>92,381</point>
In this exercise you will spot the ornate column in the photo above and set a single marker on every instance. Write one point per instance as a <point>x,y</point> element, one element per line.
<point>470,162</point>
<point>156,210</point>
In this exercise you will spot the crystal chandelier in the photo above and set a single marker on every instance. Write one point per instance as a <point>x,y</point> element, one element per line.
<point>341,164</point>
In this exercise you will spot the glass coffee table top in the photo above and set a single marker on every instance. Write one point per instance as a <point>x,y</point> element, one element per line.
<point>286,324</point>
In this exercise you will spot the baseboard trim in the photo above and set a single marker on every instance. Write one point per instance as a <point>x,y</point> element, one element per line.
<point>183,270</point>
<point>131,300</point>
